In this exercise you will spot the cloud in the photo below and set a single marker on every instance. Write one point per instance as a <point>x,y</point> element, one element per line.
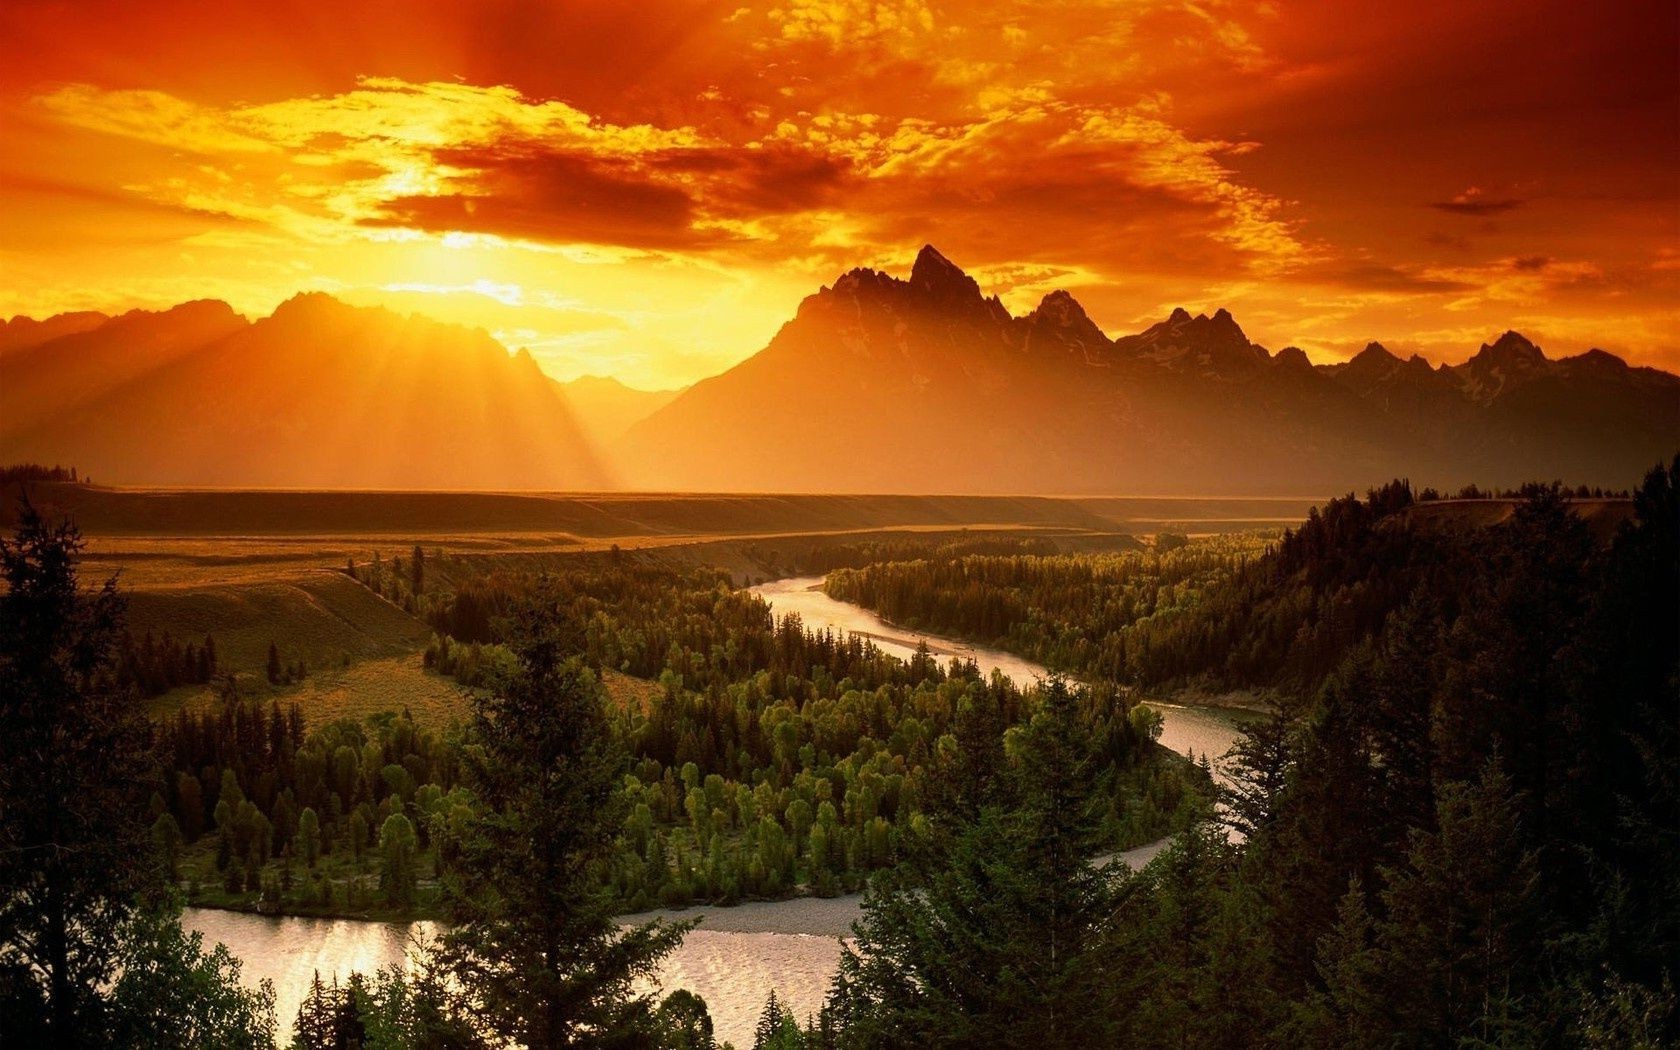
<point>394,158</point>
<point>685,151</point>
<point>1473,202</point>
<point>560,197</point>
<point>1377,277</point>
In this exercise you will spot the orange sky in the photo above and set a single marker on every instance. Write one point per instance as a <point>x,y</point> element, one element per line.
<point>648,189</point>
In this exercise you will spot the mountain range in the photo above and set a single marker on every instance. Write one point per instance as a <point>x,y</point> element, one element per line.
<point>926,384</point>
<point>878,384</point>
<point>317,395</point>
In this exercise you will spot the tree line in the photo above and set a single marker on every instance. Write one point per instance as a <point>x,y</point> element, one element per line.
<point>769,759</point>
<point>1467,834</point>
<point>1094,615</point>
<point>1213,614</point>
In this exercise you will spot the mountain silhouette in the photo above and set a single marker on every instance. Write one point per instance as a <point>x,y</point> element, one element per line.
<point>605,408</point>
<point>878,384</point>
<point>318,395</point>
<point>926,384</point>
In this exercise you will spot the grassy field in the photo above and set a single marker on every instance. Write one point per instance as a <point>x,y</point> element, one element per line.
<point>199,512</point>
<point>253,568</point>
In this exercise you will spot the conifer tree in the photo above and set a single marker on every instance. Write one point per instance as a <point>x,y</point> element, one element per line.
<point>535,945</point>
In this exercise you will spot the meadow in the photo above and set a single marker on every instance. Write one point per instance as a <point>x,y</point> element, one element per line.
<point>254,569</point>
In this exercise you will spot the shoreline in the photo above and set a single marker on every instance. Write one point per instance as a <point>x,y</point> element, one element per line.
<point>1246,700</point>
<point>799,915</point>
<point>1251,701</point>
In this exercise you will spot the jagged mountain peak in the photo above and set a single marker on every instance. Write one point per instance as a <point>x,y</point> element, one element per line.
<point>1511,348</point>
<point>1375,351</point>
<point>939,278</point>
<point>309,300</point>
<point>1596,358</point>
<point>1375,362</point>
<point>1060,306</point>
<point>1212,346</point>
<point>1293,358</point>
<point>1060,319</point>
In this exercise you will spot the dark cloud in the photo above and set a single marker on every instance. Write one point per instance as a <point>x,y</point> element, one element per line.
<point>555,197</point>
<point>1531,263</point>
<point>769,180</point>
<point>1380,278</point>
<point>1472,204</point>
<point>658,199</point>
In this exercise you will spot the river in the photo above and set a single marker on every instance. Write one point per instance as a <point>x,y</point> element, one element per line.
<point>737,954</point>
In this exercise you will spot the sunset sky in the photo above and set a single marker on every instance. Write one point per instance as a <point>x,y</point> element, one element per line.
<point>648,190</point>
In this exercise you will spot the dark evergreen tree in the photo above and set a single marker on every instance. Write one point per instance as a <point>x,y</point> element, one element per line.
<point>992,933</point>
<point>534,945</point>
<point>74,765</point>
<point>91,949</point>
<point>1256,772</point>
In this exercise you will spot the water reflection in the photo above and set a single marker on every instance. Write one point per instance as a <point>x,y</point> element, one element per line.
<point>739,953</point>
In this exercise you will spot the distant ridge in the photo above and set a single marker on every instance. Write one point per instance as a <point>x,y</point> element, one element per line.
<point>879,384</point>
<point>318,395</point>
<point>926,384</point>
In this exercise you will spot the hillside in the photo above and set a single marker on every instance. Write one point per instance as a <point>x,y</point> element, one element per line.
<point>319,394</point>
<point>605,408</point>
<point>877,385</point>
<point>925,384</point>
<point>102,511</point>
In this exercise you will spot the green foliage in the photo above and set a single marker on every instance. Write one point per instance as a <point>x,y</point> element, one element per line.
<point>1460,831</point>
<point>392,1010</point>
<point>171,992</point>
<point>756,724</point>
<point>994,931</point>
<point>74,775</point>
<point>397,848</point>
<point>533,942</point>
<point>1096,615</point>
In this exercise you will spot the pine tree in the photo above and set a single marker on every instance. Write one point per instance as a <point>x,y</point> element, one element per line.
<point>772,1022</point>
<point>991,932</point>
<point>73,762</point>
<point>1257,771</point>
<point>275,671</point>
<point>535,944</point>
<point>88,954</point>
<point>1455,957</point>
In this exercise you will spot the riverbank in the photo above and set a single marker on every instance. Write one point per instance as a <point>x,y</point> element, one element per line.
<point>337,879</point>
<point>1249,701</point>
<point>792,594</point>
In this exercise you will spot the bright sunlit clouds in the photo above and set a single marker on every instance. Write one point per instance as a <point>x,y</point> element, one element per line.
<point>650,193</point>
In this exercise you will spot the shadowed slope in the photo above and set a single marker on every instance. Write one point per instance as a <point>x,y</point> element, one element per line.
<point>318,395</point>
<point>888,385</point>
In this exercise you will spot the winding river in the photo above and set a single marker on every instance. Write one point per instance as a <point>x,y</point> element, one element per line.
<point>737,954</point>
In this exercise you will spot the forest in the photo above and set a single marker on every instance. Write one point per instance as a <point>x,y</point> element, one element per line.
<point>1214,615</point>
<point>1092,615</point>
<point>1462,827</point>
<point>768,759</point>
<point>1459,826</point>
